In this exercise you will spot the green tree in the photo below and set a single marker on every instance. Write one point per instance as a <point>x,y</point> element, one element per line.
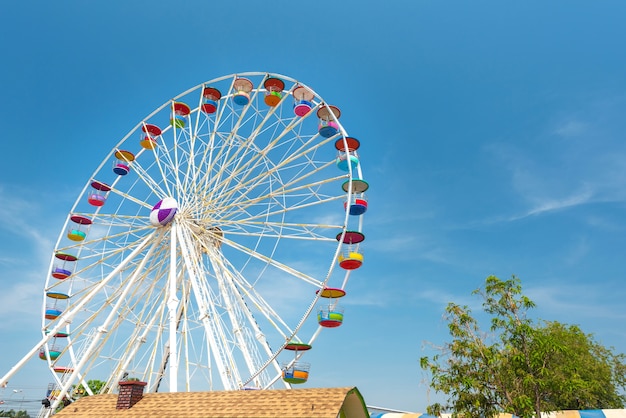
<point>95,386</point>
<point>595,385</point>
<point>14,414</point>
<point>519,366</point>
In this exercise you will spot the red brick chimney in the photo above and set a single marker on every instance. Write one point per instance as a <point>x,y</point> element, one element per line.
<point>131,392</point>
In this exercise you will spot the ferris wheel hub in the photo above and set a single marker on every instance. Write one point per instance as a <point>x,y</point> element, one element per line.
<point>207,234</point>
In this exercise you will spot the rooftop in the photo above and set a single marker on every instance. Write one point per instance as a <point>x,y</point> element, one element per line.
<point>295,403</point>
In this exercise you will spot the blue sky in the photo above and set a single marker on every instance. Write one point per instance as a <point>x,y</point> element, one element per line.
<point>492,138</point>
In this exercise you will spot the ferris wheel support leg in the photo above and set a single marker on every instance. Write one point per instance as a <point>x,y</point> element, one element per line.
<point>211,327</point>
<point>86,356</point>
<point>5,379</point>
<point>172,306</point>
<point>131,355</point>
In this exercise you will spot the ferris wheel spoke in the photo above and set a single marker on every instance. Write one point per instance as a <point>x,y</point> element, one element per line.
<point>213,327</point>
<point>232,311</point>
<point>247,145</point>
<point>137,341</point>
<point>179,157</point>
<point>271,191</point>
<point>281,211</point>
<point>193,152</point>
<point>244,294</point>
<point>259,156</point>
<point>159,189</point>
<point>111,254</point>
<point>249,341</point>
<point>268,260</point>
<point>142,309</point>
<point>259,165</point>
<point>246,288</point>
<point>274,230</point>
<point>168,160</point>
<point>144,176</point>
<point>109,243</point>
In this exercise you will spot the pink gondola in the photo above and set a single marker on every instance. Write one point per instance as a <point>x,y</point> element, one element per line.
<point>98,195</point>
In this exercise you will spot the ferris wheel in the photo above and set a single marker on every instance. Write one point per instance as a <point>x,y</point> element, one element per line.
<point>202,249</point>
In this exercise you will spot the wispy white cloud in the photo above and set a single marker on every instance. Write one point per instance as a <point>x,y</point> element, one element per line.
<point>393,244</point>
<point>599,222</point>
<point>575,301</point>
<point>570,128</point>
<point>368,298</point>
<point>442,298</point>
<point>21,220</point>
<point>552,204</point>
<point>25,261</point>
<point>572,163</point>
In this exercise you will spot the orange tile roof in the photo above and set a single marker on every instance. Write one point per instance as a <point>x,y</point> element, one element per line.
<point>294,403</point>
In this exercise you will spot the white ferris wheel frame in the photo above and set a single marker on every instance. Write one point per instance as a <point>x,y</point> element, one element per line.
<point>182,245</point>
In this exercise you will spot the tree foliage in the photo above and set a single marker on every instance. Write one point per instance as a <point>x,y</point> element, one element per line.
<point>519,366</point>
<point>95,385</point>
<point>14,414</point>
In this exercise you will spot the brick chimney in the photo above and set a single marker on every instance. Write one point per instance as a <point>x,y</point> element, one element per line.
<point>131,392</point>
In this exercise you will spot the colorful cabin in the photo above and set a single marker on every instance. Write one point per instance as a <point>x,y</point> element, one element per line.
<point>52,310</point>
<point>355,186</point>
<point>63,369</point>
<point>328,116</point>
<point>54,350</point>
<point>273,91</point>
<point>78,232</point>
<point>210,97</point>
<point>242,87</point>
<point>358,205</point>
<point>59,334</point>
<point>98,196</point>
<point>330,316</point>
<point>351,257</point>
<point>347,159</point>
<point>297,346</point>
<point>180,111</point>
<point>351,237</point>
<point>303,100</point>
<point>149,136</point>
<point>52,313</point>
<point>296,373</point>
<point>121,166</point>
<point>54,353</point>
<point>331,292</point>
<point>63,265</point>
